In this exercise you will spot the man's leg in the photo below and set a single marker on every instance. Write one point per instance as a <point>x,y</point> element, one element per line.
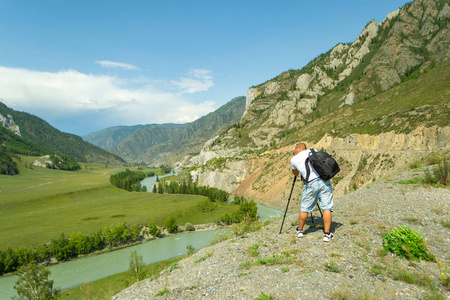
<point>326,203</point>
<point>302,220</point>
<point>326,220</point>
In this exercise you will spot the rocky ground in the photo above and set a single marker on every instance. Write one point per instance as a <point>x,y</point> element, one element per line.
<point>352,266</point>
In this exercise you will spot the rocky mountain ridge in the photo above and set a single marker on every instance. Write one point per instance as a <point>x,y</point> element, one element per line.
<point>376,104</point>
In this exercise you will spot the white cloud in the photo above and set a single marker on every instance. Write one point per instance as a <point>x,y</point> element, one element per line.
<point>113,64</point>
<point>199,80</point>
<point>69,94</point>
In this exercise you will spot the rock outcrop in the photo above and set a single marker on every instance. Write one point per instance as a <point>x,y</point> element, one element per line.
<point>8,122</point>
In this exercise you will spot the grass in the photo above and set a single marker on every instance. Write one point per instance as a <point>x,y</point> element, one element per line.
<point>263,296</point>
<point>162,292</point>
<point>253,250</point>
<point>446,223</point>
<point>273,260</point>
<point>332,266</point>
<point>49,202</point>
<point>106,287</point>
<point>410,101</point>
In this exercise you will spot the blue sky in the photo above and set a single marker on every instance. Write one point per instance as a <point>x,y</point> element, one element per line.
<point>87,65</point>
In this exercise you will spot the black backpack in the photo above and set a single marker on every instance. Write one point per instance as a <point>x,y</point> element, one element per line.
<point>324,164</point>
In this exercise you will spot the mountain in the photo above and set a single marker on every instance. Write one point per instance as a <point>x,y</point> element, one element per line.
<point>23,133</point>
<point>376,104</point>
<point>113,136</point>
<point>169,143</point>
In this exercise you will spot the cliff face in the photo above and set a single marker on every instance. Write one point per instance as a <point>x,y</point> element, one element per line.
<point>8,123</point>
<point>363,158</point>
<point>420,139</point>
<point>375,104</point>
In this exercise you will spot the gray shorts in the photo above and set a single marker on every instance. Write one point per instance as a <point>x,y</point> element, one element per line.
<point>317,189</point>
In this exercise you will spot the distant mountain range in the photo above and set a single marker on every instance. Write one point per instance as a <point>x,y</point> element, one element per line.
<point>167,143</point>
<point>23,133</point>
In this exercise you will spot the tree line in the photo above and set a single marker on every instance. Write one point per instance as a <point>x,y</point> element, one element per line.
<point>64,248</point>
<point>214,194</point>
<point>129,180</point>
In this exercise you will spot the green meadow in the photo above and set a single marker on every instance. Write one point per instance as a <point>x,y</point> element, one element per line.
<point>39,204</point>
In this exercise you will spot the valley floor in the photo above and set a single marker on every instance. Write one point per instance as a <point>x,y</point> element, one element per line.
<point>349,267</point>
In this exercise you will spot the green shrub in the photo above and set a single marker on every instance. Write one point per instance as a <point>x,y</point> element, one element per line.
<point>263,296</point>
<point>442,172</point>
<point>439,174</point>
<point>253,250</point>
<point>444,274</point>
<point>247,211</point>
<point>153,229</point>
<point>246,226</point>
<point>173,267</point>
<point>162,292</point>
<point>220,236</point>
<point>190,249</point>
<point>446,223</point>
<point>207,206</point>
<point>407,243</point>
<point>332,266</point>
<point>189,227</point>
<point>415,165</point>
<point>171,224</point>
<point>336,180</point>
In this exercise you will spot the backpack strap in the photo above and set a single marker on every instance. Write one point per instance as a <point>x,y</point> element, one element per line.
<point>308,169</point>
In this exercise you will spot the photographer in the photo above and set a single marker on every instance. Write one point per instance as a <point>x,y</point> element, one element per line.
<point>316,188</point>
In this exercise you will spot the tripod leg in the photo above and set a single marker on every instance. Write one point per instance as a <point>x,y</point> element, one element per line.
<point>293,183</point>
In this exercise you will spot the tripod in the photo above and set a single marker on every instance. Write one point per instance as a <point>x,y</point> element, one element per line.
<point>289,200</point>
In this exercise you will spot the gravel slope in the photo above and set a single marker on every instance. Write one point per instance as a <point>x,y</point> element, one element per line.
<point>230,269</point>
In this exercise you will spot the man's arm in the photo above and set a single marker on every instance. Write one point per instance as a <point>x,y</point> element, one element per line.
<point>293,168</point>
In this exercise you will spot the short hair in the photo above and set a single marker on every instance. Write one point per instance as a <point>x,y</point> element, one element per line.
<point>301,146</point>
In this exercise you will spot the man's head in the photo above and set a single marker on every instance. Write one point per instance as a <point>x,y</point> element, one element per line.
<point>299,147</point>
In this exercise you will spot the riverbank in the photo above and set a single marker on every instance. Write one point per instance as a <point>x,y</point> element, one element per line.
<point>91,268</point>
<point>145,238</point>
<point>352,266</point>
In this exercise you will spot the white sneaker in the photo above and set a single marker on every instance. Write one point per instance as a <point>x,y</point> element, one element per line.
<point>299,233</point>
<point>328,237</point>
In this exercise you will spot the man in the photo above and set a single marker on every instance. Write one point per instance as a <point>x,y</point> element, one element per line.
<point>316,188</point>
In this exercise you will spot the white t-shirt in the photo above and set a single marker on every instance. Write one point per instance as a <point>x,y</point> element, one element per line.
<point>298,163</point>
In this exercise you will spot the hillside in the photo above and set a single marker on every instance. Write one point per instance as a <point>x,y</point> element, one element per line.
<point>170,143</point>
<point>351,266</point>
<point>113,136</point>
<point>376,104</point>
<point>23,133</point>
